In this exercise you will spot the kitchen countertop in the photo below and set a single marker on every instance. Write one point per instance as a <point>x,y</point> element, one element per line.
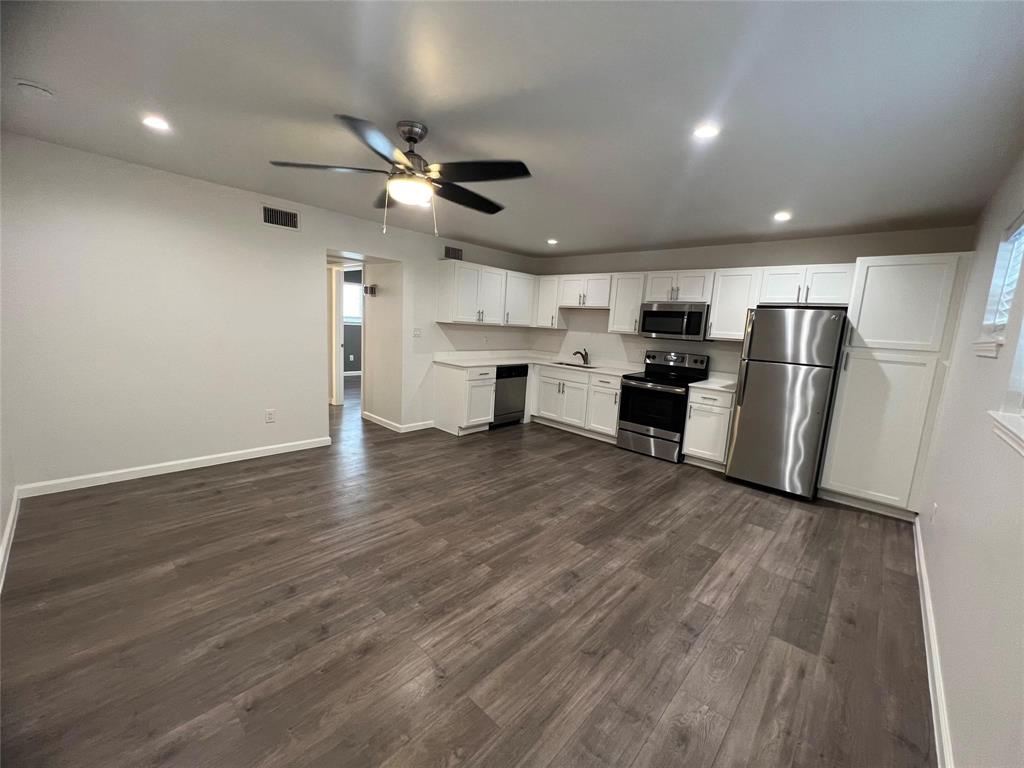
<point>720,382</point>
<point>474,362</point>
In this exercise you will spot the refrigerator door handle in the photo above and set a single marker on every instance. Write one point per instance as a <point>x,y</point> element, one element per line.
<point>741,383</point>
<point>745,351</point>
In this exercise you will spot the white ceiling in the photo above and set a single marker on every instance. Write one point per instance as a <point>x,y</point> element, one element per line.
<point>856,116</point>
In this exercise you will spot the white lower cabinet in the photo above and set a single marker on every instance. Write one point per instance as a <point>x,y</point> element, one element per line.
<point>878,424</point>
<point>464,398</point>
<point>562,400</point>
<point>706,434</point>
<point>603,410</point>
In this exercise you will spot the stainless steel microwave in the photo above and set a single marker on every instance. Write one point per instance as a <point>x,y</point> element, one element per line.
<point>674,320</point>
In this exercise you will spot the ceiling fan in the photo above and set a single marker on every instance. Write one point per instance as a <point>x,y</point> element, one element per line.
<point>411,180</point>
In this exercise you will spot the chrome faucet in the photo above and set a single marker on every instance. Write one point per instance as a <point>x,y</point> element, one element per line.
<point>584,356</point>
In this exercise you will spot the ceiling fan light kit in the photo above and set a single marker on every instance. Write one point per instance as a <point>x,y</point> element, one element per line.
<point>411,180</point>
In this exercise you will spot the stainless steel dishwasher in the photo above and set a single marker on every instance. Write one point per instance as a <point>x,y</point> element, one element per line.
<point>509,394</point>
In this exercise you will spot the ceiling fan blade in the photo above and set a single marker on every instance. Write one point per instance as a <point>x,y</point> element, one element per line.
<point>382,198</point>
<point>315,167</point>
<point>453,193</point>
<point>374,138</point>
<point>478,170</point>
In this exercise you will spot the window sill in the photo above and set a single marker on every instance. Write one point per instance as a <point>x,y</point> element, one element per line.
<point>1009,427</point>
<point>987,346</point>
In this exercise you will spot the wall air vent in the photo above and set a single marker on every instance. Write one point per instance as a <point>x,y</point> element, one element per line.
<point>276,217</point>
<point>453,253</point>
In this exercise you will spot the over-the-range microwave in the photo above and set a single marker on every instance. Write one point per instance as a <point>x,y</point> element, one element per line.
<point>674,320</point>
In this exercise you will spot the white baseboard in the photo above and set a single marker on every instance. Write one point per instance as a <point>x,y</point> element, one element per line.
<point>940,715</point>
<point>27,490</point>
<point>164,467</point>
<point>696,461</point>
<point>394,426</point>
<point>575,430</point>
<point>867,505</point>
<point>8,536</point>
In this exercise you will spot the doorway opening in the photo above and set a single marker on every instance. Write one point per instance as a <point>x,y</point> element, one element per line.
<point>345,334</point>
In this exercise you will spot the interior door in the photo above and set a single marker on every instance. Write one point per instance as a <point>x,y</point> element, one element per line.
<point>467,293</point>
<point>550,402</point>
<point>782,285</point>
<point>695,285</point>
<point>492,295</point>
<point>828,284</point>
<point>779,425</point>
<point>597,290</point>
<point>519,298</point>
<point>901,302</point>
<point>877,424</point>
<point>660,286</point>
<point>575,407</point>
<point>627,296</point>
<point>547,302</point>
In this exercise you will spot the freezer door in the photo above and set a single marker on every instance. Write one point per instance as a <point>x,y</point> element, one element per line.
<point>778,425</point>
<point>800,335</point>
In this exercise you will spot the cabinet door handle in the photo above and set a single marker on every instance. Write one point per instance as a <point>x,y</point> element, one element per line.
<point>506,318</point>
<point>634,325</point>
<point>807,292</point>
<point>616,402</point>
<point>552,321</point>
<point>798,294</point>
<point>846,360</point>
<point>705,397</point>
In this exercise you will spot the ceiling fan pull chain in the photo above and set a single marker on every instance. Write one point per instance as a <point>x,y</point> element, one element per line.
<point>384,229</point>
<point>433,211</point>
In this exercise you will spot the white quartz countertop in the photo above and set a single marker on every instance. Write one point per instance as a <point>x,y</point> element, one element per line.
<point>721,382</point>
<point>474,362</point>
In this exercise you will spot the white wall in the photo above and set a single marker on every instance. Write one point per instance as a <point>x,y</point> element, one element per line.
<point>383,359</point>
<point>808,250</point>
<point>974,543</point>
<point>150,317</point>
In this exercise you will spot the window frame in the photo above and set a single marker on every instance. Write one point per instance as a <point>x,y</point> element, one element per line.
<point>993,328</point>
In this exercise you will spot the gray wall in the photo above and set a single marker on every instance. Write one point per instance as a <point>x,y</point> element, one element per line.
<point>973,536</point>
<point>809,250</point>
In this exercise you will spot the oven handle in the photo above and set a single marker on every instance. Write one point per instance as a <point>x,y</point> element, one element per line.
<point>657,387</point>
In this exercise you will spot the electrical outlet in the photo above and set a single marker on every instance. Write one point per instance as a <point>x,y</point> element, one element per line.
<point>351,358</point>
<point>270,416</point>
<point>417,333</point>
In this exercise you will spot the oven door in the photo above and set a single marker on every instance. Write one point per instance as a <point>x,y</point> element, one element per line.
<point>657,410</point>
<point>673,321</point>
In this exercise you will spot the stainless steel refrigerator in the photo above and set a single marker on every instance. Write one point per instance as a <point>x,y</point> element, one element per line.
<point>784,396</point>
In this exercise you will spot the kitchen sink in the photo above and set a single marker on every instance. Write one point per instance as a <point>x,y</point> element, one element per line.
<point>577,365</point>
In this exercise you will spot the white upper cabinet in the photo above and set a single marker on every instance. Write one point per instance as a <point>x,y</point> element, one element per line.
<point>627,295</point>
<point>570,291</point>
<point>877,423</point>
<point>801,284</point>
<point>828,284</point>
<point>693,285</point>
<point>467,292</point>
<point>735,291</point>
<point>901,302</point>
<point>591,291</point>
<point>492,295</point>
<point>546,314</point>
<point>597,291</point>
<point>519,297</point>
<point>782,285</point>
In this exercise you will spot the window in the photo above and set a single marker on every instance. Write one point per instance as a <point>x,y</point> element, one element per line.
<point>1005,280</point>
<point>352,302</point>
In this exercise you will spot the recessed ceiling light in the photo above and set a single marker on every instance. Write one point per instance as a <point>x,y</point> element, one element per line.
<point>783,215</point>
<point>706,130</point>
<point>35,90</point>
<point>157,123</point>
<point>552,241</point>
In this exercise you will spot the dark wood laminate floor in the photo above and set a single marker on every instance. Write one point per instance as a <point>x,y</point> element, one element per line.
<point>522,598</point>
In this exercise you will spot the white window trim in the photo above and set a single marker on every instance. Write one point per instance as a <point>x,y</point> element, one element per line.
<point>992,340</point>
<point>1009,427</point>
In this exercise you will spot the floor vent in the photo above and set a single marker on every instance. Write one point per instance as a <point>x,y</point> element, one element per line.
<point>276,217</point>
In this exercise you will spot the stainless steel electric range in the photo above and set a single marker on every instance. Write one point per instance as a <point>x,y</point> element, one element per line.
<point>652,407</point>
